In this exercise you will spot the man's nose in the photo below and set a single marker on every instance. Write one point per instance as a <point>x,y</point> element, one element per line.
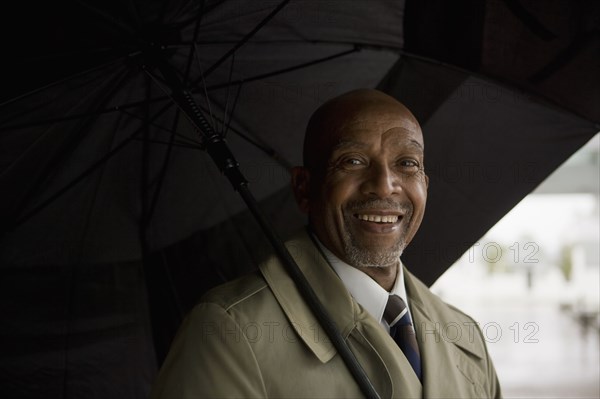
<point>382,182</point>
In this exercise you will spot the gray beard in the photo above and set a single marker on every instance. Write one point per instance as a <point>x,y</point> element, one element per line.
<point>363,257</point>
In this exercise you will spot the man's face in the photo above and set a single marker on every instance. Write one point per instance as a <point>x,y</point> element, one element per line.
<point>368,202</point>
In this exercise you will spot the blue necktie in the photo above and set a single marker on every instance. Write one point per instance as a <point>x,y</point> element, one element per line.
<point>402,330</point>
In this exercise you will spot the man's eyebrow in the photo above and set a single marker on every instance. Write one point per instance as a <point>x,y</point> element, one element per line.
<point>345,143</point>
<point>415,143</point>
<point>348,143</point>
<point>410,143</point>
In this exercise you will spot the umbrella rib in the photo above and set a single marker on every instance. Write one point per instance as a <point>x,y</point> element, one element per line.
<point>248,36</point>
<point>562,58</point>
<point>144,173</point>
<point>75,137</point>
<point>285,70</point>
<point>506,82</point>
<point>529,20</point>
<point>224,159</point>
<point>83,175</point>
<point>210,88</point>
<point>264,75</point>
<point>193,48</point>
<point>108,18</point>
<point>191,142</point>
<point>269,151</point>
<point>224,132</point>
<point>165,165</point>
<point>206,9</point>
<point>61,81</point>
<point>204,87</point>
<point>50,129</point>
<point>175,143</point>
<point>229,117</point>
<point>147,207</point>
<point>169,95</point>
<point>75,181</point>
<point>229,221</point>
<point>135,14</point>
<point>119,108</point>
<point>95,196</point>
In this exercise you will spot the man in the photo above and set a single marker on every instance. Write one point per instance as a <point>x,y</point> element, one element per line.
<point>364,189</point>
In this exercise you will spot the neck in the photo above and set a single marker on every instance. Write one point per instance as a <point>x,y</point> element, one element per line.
<point>384,276</point>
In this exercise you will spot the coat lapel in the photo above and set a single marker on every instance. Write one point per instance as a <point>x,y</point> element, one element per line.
<point>450,347</point>
<point>448,343</point>
<point>325,284</point>
<point>354,323</point>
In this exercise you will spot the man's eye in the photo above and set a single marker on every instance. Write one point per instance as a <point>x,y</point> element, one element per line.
<point>353,162</point>
<point>410,164</point>
<point>350,163</point>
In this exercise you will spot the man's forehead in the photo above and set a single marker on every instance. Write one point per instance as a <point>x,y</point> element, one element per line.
<point>372,120</point>
<point>391,128</point>
<point>401,140</point>
<point>367,113</point>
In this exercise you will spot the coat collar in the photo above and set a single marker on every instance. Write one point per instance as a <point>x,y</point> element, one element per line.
<point>434,322</point>
<point>431,314</point>
<point>325,283</point>
<point>449,343</point>
<point>445,362</point>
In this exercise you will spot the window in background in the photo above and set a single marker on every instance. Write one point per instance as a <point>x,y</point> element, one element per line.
<point>533,284</point>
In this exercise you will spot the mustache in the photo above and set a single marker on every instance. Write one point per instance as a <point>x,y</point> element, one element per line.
<point>386,204</point>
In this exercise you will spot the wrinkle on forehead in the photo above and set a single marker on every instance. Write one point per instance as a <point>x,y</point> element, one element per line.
<point>356,110</point>
<point>350,142</point>
<point>384,127</point>
<point>370,117</point>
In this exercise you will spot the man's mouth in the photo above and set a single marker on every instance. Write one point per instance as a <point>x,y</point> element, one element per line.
<point>378,218</point>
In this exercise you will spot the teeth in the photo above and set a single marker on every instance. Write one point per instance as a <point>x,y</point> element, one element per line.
<point>379,219</point>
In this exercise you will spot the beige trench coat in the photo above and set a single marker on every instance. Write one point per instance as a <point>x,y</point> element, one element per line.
<point>255,337</point>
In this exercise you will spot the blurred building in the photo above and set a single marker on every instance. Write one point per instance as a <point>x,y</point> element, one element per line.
<point>533,284</point>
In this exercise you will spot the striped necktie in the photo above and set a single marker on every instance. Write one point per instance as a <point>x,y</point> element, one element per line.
<point>402,330</point>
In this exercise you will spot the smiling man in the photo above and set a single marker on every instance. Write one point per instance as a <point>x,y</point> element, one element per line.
<point>364,189</point>
<point>363,184</point>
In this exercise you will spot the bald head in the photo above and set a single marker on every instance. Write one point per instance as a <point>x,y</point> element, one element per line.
<point>363,184</point>
<point>358,106</point>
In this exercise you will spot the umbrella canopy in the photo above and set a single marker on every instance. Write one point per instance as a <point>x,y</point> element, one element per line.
<point>508,92</point>
<point>98,166</point>
<point>88,156</point>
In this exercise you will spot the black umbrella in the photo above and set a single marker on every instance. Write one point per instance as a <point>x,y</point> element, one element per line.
<point>248,57</point>
<point>102,158</point>
<point>101,167</point>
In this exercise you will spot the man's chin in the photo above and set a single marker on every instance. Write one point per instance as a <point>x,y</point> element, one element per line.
<point>376,259</point>
<point>367,266</point>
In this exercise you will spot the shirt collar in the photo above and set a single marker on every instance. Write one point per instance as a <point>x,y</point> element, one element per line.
<point>363,288</point>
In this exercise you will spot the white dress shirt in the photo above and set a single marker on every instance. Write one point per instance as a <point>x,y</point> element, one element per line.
<point>366,291</point>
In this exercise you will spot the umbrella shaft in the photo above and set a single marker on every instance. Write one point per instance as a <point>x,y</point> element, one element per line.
<point>219,151</point>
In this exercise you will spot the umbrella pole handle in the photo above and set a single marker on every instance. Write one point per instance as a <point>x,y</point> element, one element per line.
<point>223,157</point>
<point>217,148</point>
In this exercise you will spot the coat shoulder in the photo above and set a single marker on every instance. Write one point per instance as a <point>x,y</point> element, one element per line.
<point>233,292</point>
<point>449,318</point>
<point>445,311</point>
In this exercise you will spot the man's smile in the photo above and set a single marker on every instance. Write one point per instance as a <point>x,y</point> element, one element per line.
<point>378,218</point>
<point>378,222</point>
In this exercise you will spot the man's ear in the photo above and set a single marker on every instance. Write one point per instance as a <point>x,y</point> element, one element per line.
<point>301,187</point>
